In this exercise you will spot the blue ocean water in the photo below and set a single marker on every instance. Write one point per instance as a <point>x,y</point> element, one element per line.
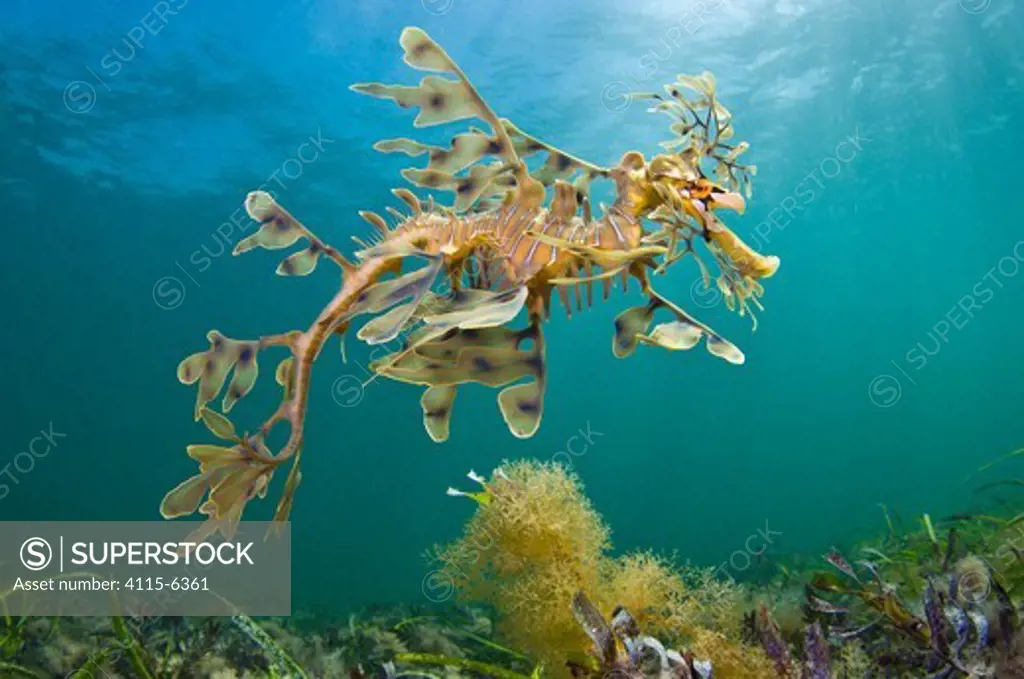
<point>885,368</point>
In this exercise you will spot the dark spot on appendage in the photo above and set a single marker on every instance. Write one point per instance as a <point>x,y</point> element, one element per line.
<point>245,355</point>
<point>437,413</point>
<point>562,162</point>
<point>211,365</point>
<point>535,363</point>
<point>464,187</point>
<point>288,266</point>
<point>436,101</point>
<point>618,326</point>
<point>281,223</point>
<point>187,372</point>
<point>314,248</point>
<point>471,333</point>
<point>362,297</point>
<point>529,332</point>
<point>481,364</point>
<point>494,147</point>
<point>531,407</point>
<point>236,393</point>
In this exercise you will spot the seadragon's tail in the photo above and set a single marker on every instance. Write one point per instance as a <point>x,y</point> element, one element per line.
<point>232,474</point>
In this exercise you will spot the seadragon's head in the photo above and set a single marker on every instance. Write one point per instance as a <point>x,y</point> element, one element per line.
<point>674,189</point>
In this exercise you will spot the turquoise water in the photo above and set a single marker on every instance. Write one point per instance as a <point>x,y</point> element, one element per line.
<point>885,368</point>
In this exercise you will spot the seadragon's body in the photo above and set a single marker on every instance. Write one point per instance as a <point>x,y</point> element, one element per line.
<point>453,281</point>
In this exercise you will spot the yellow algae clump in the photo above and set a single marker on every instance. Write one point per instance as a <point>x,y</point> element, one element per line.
<point>700,619</point>
<point>528,550</point>
<point>731,660</point>
<point>646,586</point>
<point>535,541</point>
<point>714,603</point>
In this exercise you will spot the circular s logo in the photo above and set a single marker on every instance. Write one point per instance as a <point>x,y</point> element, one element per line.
<point>347,391</point>
<point>616,96</point>
<point>885,391</point>
<point>703,296</point>
<point>36,554</point>
<point>438,586</point>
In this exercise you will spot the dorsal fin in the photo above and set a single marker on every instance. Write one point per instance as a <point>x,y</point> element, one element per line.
<point>399,217</point>
<point>376,221</point>
<point>410,199</point>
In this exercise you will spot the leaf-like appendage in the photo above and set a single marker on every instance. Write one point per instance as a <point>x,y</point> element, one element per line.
<point>680,335</point>
<point>211,368</point>
<point>380,296</point>
<point>629,326</point>
<point>440,100</point>
<point>674,336</point>
<point>409,147</point>
<point>378,326</point>
<point>301,263</point>
<point>724,349</point>
<point>284,507</point>
<point>437,411</point>
<point>235,489</point>
<point>212,457</point>
<point>219,426</point>
<point>465,150</point>
<point>476,309</point>
<point>184,499</point>
<point>279,229</point>
<point>421,52</point>
<point>246,372</point>
<point>191,369</point>
<point>273,235</point>
<point>522,406</point>
<point>284,375</point>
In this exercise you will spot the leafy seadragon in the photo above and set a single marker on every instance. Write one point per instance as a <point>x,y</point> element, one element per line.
<point>494,254</point>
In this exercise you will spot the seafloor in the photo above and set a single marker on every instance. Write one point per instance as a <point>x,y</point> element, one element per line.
<point>539,592</point>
